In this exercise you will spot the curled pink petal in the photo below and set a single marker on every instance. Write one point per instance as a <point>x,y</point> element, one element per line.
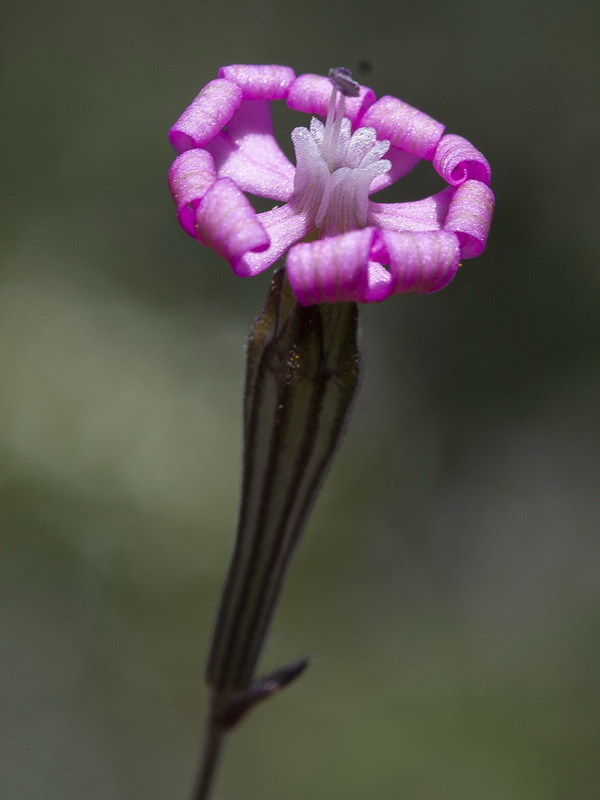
<point>404,126</point>
<point>457,161</point>
<point>190,177</point>
<point>332,270</point>
<point>419,262</point>
<point>226,221</point>
<point>206,115</point>
<point>249,154</point>
<point>284,227</point>
<point>469,216</point>
<point>260,82</point>
<point>311,94</point>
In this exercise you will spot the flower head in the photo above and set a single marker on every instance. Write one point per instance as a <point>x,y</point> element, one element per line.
<point>340,245</point>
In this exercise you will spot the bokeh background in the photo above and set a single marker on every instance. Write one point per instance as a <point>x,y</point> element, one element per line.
<point>448,581</point>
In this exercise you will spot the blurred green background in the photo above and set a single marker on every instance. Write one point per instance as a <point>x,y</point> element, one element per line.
<point>448,581</point>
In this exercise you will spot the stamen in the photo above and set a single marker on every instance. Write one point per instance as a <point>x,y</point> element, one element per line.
<point>327,133</point>
<point>337,124</point>
<point>342,79</point>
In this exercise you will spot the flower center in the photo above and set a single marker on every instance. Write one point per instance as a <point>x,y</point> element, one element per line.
<point>335,167</point>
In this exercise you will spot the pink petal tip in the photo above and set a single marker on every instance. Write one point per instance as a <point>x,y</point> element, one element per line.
<point>260,81</point>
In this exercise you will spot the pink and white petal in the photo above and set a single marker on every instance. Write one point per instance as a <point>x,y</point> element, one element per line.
<point>404,127</point>
<point>190,177</point>
<point>311,94</point>
<point>206,115</point>
<point>332,270</point>
<point>284,227</point>
<point>457,161</point>
<point>402,163</point>
<point>260,82</point>
<point>419,262</point>
<point>249,154</point>
<point>470,215</point>
<point>421,215</point>
<point>226,222</point>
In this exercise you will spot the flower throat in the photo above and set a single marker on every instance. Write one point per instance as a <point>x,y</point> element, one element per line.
<point>336,167</point>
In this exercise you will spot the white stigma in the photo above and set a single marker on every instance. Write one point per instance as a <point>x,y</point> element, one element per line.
<point>335,169</point>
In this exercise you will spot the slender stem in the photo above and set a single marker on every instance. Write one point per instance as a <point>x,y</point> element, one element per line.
<point>213,747</point>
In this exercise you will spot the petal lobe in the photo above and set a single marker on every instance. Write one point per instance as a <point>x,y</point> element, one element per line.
<point>404,127</point>
<point>457,161</point>
<point>469,216</point>
<point>206,115</point>
<point>190,177</point>
<point>260,82</point>
<point>226,221</point>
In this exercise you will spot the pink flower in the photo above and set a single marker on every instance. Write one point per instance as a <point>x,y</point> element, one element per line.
<point>353,248</point>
